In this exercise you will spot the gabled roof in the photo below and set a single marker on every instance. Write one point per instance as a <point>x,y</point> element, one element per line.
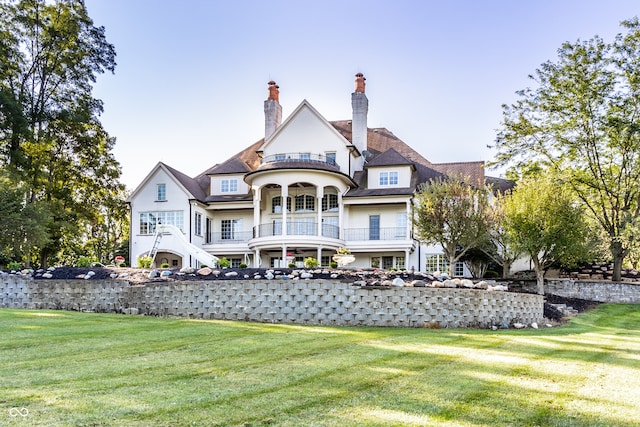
<point>190,186</point>
<point>389,158</point>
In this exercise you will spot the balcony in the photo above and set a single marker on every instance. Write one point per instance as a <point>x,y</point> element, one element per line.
<point>296,228</point>
<point>298,158</point>
<point>229,237</point>
<point>384,233</point>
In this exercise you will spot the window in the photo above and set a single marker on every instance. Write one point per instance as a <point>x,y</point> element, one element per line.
<point>387,262</point>
<point>149,220</point>
<point>197,224</point>
<point>325,260</point>
<point>230,229</point>
<point>305,156</point>
<point>375,262</point>
<point>161,194</point>
<point>276,204</point>
<point>305,203</point>
<point>330,203</point>
<point>229,186</point>
<point>400,263</point>
<point>374,227</point>
<point>235,262</point>
<point>388,178</point>
<point>331,158</point>
<point>280,157</point>
<point>401,225</point>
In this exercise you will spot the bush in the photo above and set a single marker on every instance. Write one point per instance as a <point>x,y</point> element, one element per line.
<point>310,262</point>
<point>333,264</point>
<point>490,274</point>
<point>164,265</point>
<point>145,261</point>
<point>14,265</point>
<point>242,265</point>
<point>83,261</point>
<point>122,264</point>
<point>292,265</point>
<point>223,262</point>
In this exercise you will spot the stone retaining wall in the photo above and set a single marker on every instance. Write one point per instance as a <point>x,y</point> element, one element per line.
<point>314,302</point>
<point>602,291</point>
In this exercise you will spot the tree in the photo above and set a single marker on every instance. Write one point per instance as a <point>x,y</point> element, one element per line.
<point>452,213</point>
<point>51,140</point>
<point>583,121</point>
<point>542,221</point>
<point>502,250</point>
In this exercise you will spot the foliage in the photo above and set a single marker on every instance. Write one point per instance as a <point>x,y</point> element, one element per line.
<point>333,264</point>
<point>14,265</point>
<point>145,261</point>
<point>164,265</point>
<point>343,251</point>
<point>543,222</point>
<point>51,141</point>
<point>310,262</point>
<point>501,250</point>
<point>452,213</point>
<point>84,261</point>
<point>243,265</point>
<point>582,121</point>
<point>149,371</point>
<point>223,262</point>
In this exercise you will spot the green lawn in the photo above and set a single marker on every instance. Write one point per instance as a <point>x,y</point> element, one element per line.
<point>76,369</point>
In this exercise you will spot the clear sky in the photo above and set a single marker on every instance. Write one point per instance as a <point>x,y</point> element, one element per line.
<point>192,74</point>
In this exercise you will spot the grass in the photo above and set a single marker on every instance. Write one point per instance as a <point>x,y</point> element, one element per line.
<point>77,369</point>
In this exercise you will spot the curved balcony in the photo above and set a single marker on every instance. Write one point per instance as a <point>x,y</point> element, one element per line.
<point>296,228</point>
<point>307,159</point>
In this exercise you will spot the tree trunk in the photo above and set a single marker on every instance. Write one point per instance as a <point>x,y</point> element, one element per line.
<point>618,253</point>
<point>539,275</point>
<point>506,266</point>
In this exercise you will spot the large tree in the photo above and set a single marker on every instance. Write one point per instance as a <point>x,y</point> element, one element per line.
<point>51,140</point>
<point>542,221</point>
<point>452,213</point>
<point>582,120</point>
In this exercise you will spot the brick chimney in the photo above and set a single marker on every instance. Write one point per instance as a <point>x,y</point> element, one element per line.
<point>272,110</point>
<point>360,107</point>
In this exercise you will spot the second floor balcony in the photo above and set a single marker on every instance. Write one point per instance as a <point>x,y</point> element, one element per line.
<point>310,159</point>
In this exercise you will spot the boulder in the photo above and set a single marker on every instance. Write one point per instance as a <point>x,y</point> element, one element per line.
<point>205,271</point>
<point>397,282</point>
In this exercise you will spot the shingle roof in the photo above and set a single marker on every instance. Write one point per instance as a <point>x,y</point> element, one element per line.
<point>191,184</point>
<point>384,148</point>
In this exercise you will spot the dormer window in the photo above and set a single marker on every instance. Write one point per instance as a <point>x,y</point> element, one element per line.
<point>388,179</point>
<point>161,193</point>
<point>229,186</point>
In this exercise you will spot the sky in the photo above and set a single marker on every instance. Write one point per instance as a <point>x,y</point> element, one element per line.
<point>192,75</point>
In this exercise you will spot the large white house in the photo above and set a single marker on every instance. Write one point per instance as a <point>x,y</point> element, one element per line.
<point>307,188</point>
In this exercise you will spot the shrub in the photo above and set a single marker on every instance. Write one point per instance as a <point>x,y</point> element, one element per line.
<point>490,274</point>
<point>14,265</point>
<point>122,264</point>
<point>223,262</point>
<point>164,265</point>
<point>333,264</point>
<point>292,265</point>
<point>310,262</point>
<point>145,261</point>
<point>83,261</point>
<point>243,265</point>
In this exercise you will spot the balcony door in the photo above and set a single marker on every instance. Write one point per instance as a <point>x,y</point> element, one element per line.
<point>374,227</point>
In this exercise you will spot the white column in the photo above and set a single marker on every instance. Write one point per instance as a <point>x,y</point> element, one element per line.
<point>319,255</point>
<point>284,193</point>
<point>257,198</point>
<point>409,220</point>
<point>319,194</point>
<point>256,259</point>
<point>340,216</point>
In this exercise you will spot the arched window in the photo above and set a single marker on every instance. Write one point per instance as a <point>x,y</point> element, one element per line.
<point>276,204</point>
<point>305,203</point>
<point>330,202</point>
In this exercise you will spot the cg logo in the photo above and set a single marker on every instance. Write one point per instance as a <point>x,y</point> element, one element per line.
<point>14,412</point>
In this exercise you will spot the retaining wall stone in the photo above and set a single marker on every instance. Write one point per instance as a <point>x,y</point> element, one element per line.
<point>314,302</point>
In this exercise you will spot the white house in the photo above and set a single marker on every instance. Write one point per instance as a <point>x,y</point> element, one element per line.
<point>307,188</point>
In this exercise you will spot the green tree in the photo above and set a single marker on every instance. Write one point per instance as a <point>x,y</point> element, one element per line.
<point>542,221</point>
<point>501,250</point>
<point>582,121</point>
<point>51,140</point>
<point>452,213</point>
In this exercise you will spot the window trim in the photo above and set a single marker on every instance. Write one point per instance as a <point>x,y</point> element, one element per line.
<point>161,192</point>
